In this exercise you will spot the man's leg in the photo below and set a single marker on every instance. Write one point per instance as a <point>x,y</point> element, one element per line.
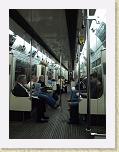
<point>48,99</point>
<point>39,108</point>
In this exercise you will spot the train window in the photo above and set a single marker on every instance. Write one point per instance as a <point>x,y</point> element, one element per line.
<point>83,85</point>
<point>93,64</point>
<point>101,32</point>
<point>43,70</point>
<point>34,69</point>
<point>22,68</point>
<point>98,61</point>
<point>50,74</point>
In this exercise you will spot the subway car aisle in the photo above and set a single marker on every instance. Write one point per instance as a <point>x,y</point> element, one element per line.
<point>56,128</point>
<point>47,58</point>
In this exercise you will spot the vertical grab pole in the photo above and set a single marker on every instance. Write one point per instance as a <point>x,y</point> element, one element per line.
<point>11,72</point>
<point>88,73</point>
<point>30,68</point>
<point>60,77</point>
<point>31,62</point>
<point>79,69</point>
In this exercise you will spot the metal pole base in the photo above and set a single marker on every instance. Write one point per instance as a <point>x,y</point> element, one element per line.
<point>88,130</point>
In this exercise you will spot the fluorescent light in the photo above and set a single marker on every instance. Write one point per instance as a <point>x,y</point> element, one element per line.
<point>11,33</point>
<point>21,41</point>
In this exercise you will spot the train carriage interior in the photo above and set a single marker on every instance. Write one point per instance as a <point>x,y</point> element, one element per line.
<point>57,74</point>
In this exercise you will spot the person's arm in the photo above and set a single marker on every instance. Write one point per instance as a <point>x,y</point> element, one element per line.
<point>83,95</point>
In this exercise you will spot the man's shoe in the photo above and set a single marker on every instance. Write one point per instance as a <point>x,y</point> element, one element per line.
<point>56,106</point>
<point>45,117</point>
<point>69,100</point>
<point>42,120</point>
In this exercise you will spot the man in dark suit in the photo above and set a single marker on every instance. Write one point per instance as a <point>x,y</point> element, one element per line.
<point>20,91</point>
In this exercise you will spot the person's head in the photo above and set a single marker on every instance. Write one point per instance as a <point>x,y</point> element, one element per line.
<point>73,88</point>
<point>34,78</point>
<point>21,79</point>
<point>41,78</point>
<point>62,77</point>
<point>94,76</point>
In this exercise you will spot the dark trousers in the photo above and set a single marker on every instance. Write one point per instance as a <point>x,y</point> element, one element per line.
<point>58,89</point>
<point>38,109</point>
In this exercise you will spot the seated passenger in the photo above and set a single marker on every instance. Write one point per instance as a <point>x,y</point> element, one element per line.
<point>20,91</point>
<point>41,81</point>
<point>95,87</point>
<point>74,94</point>
<point>47,98</point>
<point>34,79</point>
<point>46,89</point>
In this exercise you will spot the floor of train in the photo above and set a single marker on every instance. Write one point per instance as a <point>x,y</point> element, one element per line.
<point>56,128</point>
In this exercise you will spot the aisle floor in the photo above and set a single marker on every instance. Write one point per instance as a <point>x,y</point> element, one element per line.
<point>56,128</point>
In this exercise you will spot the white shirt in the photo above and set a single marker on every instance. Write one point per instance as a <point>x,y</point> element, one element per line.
<point>28,85</point>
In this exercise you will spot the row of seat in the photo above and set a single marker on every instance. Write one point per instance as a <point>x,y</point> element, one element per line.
<point>97,106</point>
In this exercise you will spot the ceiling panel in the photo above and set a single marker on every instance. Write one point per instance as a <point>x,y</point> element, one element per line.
<point>51,26</point>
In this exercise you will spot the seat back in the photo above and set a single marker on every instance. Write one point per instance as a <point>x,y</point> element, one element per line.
<point>20,103</point>
<point>96,106</point>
